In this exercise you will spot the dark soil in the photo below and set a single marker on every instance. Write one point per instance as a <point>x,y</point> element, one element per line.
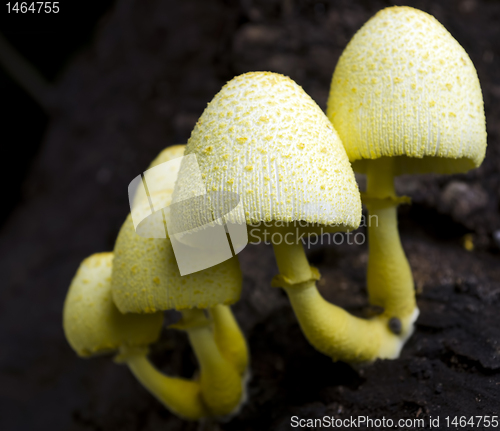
<point>141,86</point>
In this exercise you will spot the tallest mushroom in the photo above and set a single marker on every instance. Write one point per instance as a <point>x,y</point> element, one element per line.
<point>405,98</point>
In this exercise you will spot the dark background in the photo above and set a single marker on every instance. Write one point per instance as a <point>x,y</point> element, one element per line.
<point>129,78</point>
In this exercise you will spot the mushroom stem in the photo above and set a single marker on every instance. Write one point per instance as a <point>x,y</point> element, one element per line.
<point>221,384</point>
<point>330,329</point>
<point>389,277</point>
<point>181,396</point>
<point>291,258</point>
<point>229,338</point>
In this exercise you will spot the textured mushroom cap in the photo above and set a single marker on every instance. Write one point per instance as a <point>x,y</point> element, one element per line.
<point>146,277</point>
<point>265,139</point>
<point>168,154</point>
<point>405,87</point>
<point>91,321</point>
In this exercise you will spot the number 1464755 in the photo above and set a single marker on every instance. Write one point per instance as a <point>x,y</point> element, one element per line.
<point>33,7</point>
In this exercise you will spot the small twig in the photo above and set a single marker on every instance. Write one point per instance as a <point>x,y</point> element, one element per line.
<point>25,74</point>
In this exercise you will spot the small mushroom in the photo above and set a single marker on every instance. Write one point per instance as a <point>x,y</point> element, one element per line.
<point>93,325</point>
<point>146,279</point>
<point>405,98</point>
<point>263,138</point>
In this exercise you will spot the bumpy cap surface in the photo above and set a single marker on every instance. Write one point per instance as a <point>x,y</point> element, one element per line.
<point>263,138</point>
<point>91,321</point>
<point>146,277</point>
<point>405,87</point>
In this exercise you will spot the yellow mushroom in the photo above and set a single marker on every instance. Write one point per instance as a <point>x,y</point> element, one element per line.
<point>405,98</point>
<point>146,279</point>
<point>404,88</point>
<point>263,138</point>
<point>93,325</point>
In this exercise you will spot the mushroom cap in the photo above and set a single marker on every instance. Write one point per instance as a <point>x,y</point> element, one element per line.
<point>405,87</point>
<point>146,276</point>
<point>91,321</point>
<point>160,184</point>
<point>263,138</point>
<point>169,153</point>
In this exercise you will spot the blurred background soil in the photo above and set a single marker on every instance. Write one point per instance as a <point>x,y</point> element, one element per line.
<point>142,75</point>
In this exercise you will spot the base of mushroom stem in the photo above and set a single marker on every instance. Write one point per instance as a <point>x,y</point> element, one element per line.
<point>245,379</point>
<point>392,348</point>
<point>410,324</point>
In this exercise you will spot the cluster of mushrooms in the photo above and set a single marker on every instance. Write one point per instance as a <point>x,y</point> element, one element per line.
<point>405,98</point>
